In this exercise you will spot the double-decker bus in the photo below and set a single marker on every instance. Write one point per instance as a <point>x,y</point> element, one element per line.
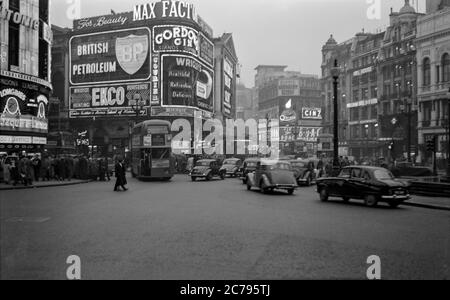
<point>151,151</point>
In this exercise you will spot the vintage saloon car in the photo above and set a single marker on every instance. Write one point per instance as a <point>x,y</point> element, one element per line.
<point>247,167</point>
<point>371,184</point>
<point>231,166</point>
<point>272,175</point>
<point>207,169</point>
<point>304,171</point>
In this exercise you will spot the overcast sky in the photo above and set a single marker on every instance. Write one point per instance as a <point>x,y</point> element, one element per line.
<point>281,32</point>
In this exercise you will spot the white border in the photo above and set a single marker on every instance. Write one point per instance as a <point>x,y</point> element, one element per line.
<point>115,81</point>
<point>162,83</point>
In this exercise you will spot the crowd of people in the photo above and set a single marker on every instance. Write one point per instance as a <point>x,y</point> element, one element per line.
<point>26,169</point>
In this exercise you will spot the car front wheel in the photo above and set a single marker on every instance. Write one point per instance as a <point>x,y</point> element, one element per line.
<point>324,195</point>
<point>371,201</point>
<point>290,192</point>
<point>193,178</point>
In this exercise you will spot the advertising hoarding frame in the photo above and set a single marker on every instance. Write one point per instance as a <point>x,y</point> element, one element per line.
<point>113,81</point>
<point>204,112</point>
<point>145,108</point>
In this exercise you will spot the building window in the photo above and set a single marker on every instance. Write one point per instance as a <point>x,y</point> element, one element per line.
<point>446,67</point>
<point>426,72</point>
<point>386,108</point>
<point>364,94</point>
<point>374,92</point>
<point>14,40</point>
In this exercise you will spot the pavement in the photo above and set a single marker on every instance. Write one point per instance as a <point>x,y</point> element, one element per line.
<point>213,230</point>
<point>430,202</point>
<point>42,184</point>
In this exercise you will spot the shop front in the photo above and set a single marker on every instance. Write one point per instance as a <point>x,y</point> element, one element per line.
<point>23,113</point>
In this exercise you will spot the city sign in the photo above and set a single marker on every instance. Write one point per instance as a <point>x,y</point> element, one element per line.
<point>18,18</point>
<point>173,38</point>
<point>312,113</point>
<point>108,100</point>
<point>228,78</point>
<point>309,134</point>
<point>165,10</point>
<point>187,82</point>
<point>108,57</point>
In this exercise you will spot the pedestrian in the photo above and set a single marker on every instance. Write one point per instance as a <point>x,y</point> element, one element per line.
<point>36,162</point>
<point>61,169</point>
<point>45,168</point>
<point>121,180</point>
<point>69,167</point>
<point>102,169</point>
<point>25,170</point>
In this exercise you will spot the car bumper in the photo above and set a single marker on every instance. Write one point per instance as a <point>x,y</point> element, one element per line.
<point>396,198</point>
<point>284,186</point>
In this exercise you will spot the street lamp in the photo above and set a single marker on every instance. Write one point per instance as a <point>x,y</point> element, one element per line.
<point>448,135</point>
<point>335,71</point>
<point>137,104</point>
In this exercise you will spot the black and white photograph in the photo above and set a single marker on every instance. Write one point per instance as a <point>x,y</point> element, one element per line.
<point>226,146</point>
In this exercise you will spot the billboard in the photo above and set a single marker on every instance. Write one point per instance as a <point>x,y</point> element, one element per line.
<point>110,57</point>
<point>186,82</point>
<point>183,39</point>
<point>109,100</point>
<point>228,79</point>
<point>175,38</point>
<point>311,113</point>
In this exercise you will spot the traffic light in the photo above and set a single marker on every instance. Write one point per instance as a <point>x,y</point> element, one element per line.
<point>431,145</point>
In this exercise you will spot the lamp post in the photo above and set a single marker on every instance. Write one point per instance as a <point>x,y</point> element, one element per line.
<point>448,135</point>
<point>335,71</point>
<point>137,105</point>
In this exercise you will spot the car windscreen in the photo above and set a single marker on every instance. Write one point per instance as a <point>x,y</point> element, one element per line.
<point>251,164</point>
<point>203,164</point>
<point>230,162</point>
<point>279,166</point>
<point>383,175</point>
<point>298,165</point>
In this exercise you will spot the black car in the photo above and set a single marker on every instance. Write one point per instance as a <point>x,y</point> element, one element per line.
<point>207,169</point>
<point>247,167</point>
<point>371,184</point>
<point>231,166</point>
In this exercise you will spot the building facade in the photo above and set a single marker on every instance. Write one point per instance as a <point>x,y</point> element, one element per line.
<point>159,61</point>
<point>295,100</point>
<point>332,51</point>
<point>433,59</point>
<point>397,69</point>
<point>25,75</point>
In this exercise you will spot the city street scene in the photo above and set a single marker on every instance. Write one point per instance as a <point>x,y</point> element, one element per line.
<point>230,140</point>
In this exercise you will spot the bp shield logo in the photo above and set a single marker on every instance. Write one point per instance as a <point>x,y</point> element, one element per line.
<point>132,52</point>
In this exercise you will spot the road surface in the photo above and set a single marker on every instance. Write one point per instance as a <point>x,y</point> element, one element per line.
<point>213,230</point>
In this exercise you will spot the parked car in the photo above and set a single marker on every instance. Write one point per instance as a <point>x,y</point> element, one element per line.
<point>371,184</point>
<point>207,169</point>
<point>231,166</point>
<point>304,171</point>
<point>247,167</point>
<point>272,175</point>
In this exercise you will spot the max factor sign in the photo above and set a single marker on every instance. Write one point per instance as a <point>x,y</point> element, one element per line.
<point>164,9</point>
<point>18,18</point>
